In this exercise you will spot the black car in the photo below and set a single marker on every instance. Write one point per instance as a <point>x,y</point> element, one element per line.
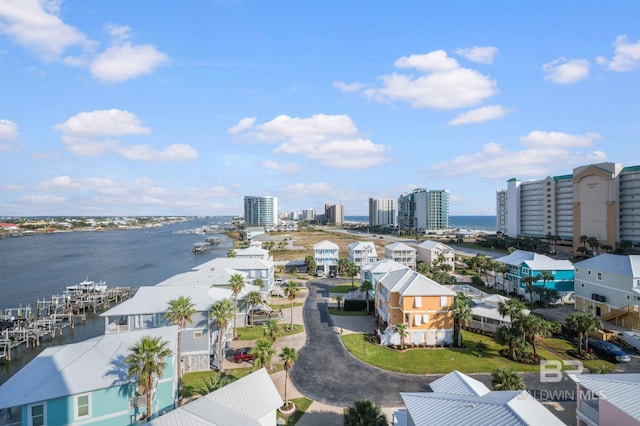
<point>609,351</point>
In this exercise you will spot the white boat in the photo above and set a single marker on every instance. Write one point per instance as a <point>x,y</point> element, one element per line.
<point>87,286</point>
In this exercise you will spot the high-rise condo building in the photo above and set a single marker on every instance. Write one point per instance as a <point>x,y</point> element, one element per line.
<point>383,212</point>
<point>309,214</point>
<point>334,214</point>
<point>423,210</point>
<point>600,201</point>
<point>261,211</point>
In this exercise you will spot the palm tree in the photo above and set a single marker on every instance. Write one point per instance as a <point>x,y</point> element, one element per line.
<point>179,313</point>
<point>253,298</point>
<point>504,378</point>
<point>271,330</point>
<point>528,281</point>
<point>263,351</point>
<point>231,253</point>
<point>222,312</point>
<point>461,314</point>
<point>503,270</point>
<point>546,276</point>
<point>365,412</point>
<point>146,359</point>
<point>511,337</point>
<point>215,382</point>
<point>288,355</point>
<point>338,298</point>
<point>291,291</point>
<point>259,282</point>
<point>535,326</point>
<point>236,284</point>
<point>403,330</point>
<point>351,272</point>
<point>582,323</point>
<point>366,287</point>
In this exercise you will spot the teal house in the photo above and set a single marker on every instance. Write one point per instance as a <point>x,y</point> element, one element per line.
<point>86,383</point>
<point>525,263</point>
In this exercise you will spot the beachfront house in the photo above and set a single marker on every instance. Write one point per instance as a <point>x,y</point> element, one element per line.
<point>405,296</point>
<point>608,286</point>
<point>326,255</point>
<point>525,263</point>
<point>607,399</point>
<point>401,253</point>
<point>435,252</point>
<point>230,405</point>
<point>363,253</point>
<point>146,311</point>
<point>461,400</point>
<point>87,383</point>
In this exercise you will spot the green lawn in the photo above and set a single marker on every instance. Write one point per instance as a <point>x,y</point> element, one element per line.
<point>302,405</point>
<point>193,383</point>
<point>343,288</point>
<point>443,360</point>
<point>255,332</point>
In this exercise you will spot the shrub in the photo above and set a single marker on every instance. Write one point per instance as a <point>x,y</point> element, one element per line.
<point>477,280</point>
<point>356,305</point>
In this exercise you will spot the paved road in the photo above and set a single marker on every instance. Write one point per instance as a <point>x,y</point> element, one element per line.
<point>325,371</point>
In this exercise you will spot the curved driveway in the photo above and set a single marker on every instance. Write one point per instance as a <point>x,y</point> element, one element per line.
<point>326,372</point>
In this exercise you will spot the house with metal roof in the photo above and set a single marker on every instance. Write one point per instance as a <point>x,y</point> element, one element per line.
<point>87,383</point>
<point>608,286</point>
<point>525,263</point>
<point>405,296</point>
<point>146,311</point>
<point>458,399</point>
<point>326,255</point>
<point>363,253</point>
<point>401,253</point>
<point>485,315</point>
<point>607,399</point>
<point>230,405</point>
<point>431,252</point>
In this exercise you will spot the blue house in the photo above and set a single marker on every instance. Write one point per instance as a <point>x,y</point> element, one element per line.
<point>525,263</point>
<point>87,383</point>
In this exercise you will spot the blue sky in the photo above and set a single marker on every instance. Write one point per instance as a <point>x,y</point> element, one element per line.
<point>147,107</point>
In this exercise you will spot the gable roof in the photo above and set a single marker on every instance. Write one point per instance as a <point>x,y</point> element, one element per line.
<point>383,266</point>
<point>615,263</point>
<point>399,246</point>
<point>430,245</point>
<point>77,368</point>
<point>408,282</point>
<point>363,245</point>
<point>155,299</point>
<point>229,405</point>
<point>325,245</point>
<point>535,261</point>
<point>465,401</point>
<point>620,390</point>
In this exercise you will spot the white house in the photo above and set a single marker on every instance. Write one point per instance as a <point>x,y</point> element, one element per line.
<point>363,253</point>
<point>146,311</point>
<point>249,401</point>
<point>608,286</point>
<point>254,252</point>
<point>401,253</point>
<point>431,252</point>
<point>485,316</point>
<point>461,400</point>
<point>326,255</point>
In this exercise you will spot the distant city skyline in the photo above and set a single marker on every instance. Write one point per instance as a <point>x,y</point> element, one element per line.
<point>118,108</point>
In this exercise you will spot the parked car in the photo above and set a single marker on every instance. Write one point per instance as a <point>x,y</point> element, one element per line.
<point>281,281</point>
<point>609,351</point>
<point>242,355</point>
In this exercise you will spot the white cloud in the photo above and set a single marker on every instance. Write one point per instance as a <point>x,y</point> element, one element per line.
<point>43,200</point>
<point>66,183</point>
<point>302,190</point>
<point>91,133</point>
<point>442,85</point>
<point>625,58</point>
<point>543,153</point>
<point>480,115</point>
<point>143,181</point>
<point>333,140</point>
<point>483,55</point>
<point>349,88</point>
<point>244,124</point>
<point>563,71</point>
<point>281,167</point>
<point>121,63</point>
<point>8,133</point>
<point>35,25</point>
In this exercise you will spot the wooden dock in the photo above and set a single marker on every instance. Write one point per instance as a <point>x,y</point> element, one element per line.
<point>28,326</point>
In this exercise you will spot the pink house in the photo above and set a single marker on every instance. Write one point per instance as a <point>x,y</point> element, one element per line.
<point>607,399</point>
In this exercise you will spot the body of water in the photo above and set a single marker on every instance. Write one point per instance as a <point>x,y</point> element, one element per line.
<point>39,266</point>
<point>481,223</point>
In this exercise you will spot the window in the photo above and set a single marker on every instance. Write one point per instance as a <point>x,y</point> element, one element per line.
<point>525,271</point>
<point>444,301</point>
<point>417,302</point>
<point>82,406</point>
<point>588,272</point>
<point>137,321</point>
<point>628,297</point>
<point>599,275</point>
<point>425,318</point>
<point>416,320</point>
<point>197,334</point>
<point>37,415</point>
<point>582,285</point>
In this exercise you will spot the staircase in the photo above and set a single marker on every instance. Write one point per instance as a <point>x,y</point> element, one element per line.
<point>627,316</point>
